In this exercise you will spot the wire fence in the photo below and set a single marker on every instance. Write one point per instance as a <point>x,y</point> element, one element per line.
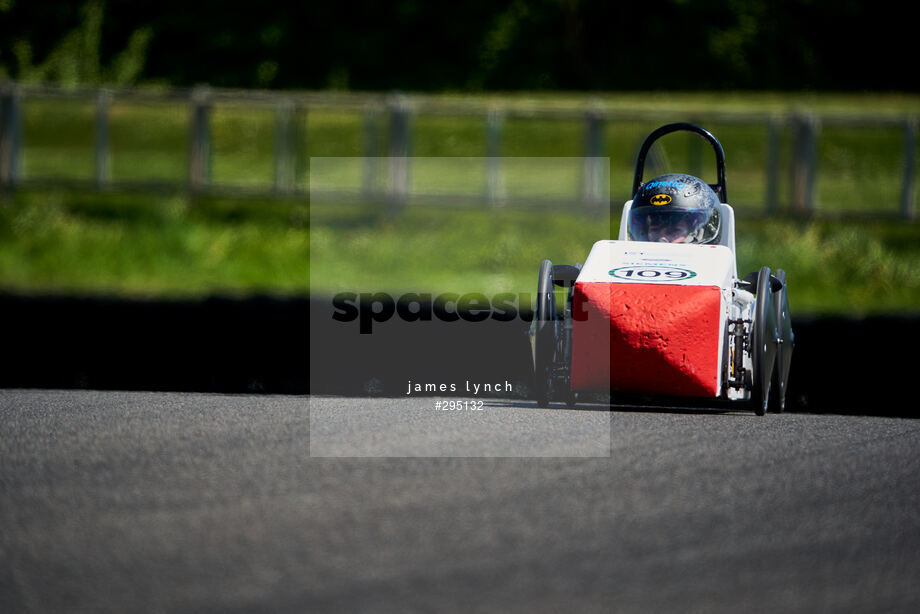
<point>258,143</point>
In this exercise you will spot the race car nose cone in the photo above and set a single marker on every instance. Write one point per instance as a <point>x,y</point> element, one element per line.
<point>662,340</point>
<point>649,318</point>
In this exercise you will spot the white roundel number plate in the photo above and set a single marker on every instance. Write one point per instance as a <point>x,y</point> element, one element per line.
<point>658,273</point>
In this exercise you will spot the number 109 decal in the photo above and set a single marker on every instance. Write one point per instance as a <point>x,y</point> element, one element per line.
<point>634,273</point>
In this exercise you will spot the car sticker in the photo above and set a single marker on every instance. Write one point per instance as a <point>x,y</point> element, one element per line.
<point>652,273</point>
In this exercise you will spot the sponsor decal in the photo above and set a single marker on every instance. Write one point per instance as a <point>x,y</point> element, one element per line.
<point>664,184</point>
<point>660,199</point>
<point>652,273</point>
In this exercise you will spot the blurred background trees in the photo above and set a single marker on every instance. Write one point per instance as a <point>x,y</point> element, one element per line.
<point>476,45</point>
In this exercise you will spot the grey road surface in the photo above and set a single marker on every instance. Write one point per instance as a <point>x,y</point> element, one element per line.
<point>153,502</point>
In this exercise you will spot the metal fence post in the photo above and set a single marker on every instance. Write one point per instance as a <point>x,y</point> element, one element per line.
<point>495,184</point>
<point>199,162</point>
<point>910,157</point>
<point>101,140</point>
<point>284,150</point>
<point>10,136</point>
<point>300,144</point>
<point>592,172</point>
<point>774,127</point>
<point>398,152</point>
<point>804,163</point>
<point>370,145</point>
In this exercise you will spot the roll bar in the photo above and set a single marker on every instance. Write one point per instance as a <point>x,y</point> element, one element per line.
<point>684,127</point>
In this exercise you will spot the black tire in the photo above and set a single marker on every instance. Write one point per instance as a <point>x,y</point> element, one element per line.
<point>784,349</point>
<point>571,398</point>
<point>763,343</point>
<point>544,335</point>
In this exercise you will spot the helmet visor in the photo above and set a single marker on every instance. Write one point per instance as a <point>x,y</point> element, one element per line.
<point>671,226</point>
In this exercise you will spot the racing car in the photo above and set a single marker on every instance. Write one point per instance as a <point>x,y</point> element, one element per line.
<point>661,312</point>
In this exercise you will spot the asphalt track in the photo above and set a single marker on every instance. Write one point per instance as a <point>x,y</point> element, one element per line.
<point>164,502</point>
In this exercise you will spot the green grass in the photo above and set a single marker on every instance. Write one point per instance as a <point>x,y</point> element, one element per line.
<point>839,267</point>
<point>832,267</point>
<point>170,247</point>
<point>151,246</point>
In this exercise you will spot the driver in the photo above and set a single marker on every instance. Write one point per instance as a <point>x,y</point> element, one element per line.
<point>674,209</point>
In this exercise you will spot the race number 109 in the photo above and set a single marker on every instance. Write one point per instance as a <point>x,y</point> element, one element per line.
<point>652,273</point>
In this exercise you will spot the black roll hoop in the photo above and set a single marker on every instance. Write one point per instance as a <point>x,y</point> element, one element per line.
<point>683,127</point>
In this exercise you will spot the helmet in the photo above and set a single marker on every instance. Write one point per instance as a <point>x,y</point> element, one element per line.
<point>675,209</point>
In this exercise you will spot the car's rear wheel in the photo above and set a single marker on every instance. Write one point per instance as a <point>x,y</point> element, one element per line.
<point>543,335</point>
<point>784,348</point>
<point>763,343</point>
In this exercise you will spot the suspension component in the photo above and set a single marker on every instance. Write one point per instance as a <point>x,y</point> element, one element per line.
<point>739,334</point>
